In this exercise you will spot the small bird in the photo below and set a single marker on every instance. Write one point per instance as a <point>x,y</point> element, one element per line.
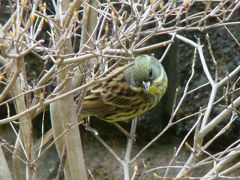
<point>128,94</point>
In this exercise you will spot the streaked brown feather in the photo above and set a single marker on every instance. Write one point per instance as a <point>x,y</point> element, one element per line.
<point>99,102</point>
<point>114,100</point>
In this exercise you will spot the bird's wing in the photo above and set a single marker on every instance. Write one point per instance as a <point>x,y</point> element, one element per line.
<point>93,104</point>
<point>117,93</point>
<point>108,96</point>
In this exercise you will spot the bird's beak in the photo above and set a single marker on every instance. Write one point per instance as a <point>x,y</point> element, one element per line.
<point>145,85</point>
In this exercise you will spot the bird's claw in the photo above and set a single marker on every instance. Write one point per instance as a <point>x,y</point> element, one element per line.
<point>132,137</point>
<point>90,129</point>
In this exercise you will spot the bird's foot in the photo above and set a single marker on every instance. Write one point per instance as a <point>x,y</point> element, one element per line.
<point>90,129</point>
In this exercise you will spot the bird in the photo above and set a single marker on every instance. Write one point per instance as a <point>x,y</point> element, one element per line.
<point>125,95</point>
<point>134,91</point>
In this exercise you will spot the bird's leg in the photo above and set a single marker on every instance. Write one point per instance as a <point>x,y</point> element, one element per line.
<point>89,128</point>
<point>133,137</point>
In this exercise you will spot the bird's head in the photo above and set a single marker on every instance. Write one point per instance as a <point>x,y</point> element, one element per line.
<point>146,75</point>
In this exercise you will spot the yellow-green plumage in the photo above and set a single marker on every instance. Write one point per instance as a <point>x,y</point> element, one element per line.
<point>129,94</point>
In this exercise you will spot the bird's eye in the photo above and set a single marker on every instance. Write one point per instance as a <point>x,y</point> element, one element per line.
<point>150,73</point>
